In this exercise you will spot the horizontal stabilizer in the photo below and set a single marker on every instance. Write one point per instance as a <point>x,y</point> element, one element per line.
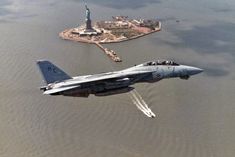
<point>58,90</point>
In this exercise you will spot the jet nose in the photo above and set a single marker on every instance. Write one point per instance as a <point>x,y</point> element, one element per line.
<point>193,70</point>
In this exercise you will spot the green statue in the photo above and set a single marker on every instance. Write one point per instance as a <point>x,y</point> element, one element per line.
<point>88,13</point>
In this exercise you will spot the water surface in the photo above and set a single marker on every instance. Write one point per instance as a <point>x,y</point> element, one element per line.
<point>195,117</point>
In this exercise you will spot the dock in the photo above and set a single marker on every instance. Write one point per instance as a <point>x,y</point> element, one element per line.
<point>110,53</point>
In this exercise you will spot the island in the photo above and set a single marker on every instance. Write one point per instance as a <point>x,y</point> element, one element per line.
<point>119,29</point>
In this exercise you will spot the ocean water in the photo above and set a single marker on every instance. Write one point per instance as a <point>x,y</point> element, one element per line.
<point>194,117</point>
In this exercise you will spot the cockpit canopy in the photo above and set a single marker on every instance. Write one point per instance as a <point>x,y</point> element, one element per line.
<point>160,62</point>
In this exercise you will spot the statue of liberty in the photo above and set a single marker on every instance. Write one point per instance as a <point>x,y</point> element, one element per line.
<point>88,13</point>
<point>88,18</point>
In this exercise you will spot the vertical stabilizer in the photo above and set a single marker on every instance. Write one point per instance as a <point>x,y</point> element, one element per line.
<point>51,73</point>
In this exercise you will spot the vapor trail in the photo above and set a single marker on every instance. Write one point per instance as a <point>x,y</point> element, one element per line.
<point>140,103</point>
<point>144,103</point>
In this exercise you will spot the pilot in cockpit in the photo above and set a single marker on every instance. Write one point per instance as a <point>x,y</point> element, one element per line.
<point>151,63</point>
<point>164,63</point>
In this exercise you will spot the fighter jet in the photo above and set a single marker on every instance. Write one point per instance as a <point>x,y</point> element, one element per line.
<point>110,83</point>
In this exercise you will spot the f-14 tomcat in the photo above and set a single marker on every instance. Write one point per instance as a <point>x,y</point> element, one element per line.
<point>110,83</point>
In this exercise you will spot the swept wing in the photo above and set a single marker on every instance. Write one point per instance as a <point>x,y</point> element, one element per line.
<point>93,79</point>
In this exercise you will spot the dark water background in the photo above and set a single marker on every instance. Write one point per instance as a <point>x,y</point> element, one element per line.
<point>195,117</point>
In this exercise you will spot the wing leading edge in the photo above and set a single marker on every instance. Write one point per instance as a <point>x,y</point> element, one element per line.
<point>110,77</point>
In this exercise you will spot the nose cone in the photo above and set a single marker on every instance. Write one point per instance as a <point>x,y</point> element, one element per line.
<point>193,70</point>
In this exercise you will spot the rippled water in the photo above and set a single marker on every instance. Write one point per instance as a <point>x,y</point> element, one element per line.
<point>194,117</point>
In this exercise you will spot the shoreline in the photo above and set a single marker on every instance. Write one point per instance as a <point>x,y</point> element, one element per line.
<point>67,35</point>
<point>73,34</point>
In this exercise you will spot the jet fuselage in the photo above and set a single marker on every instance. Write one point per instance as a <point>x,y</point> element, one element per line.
<point>111,83</point>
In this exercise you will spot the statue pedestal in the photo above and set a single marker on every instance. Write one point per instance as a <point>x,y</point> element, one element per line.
<point>88,24</point>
